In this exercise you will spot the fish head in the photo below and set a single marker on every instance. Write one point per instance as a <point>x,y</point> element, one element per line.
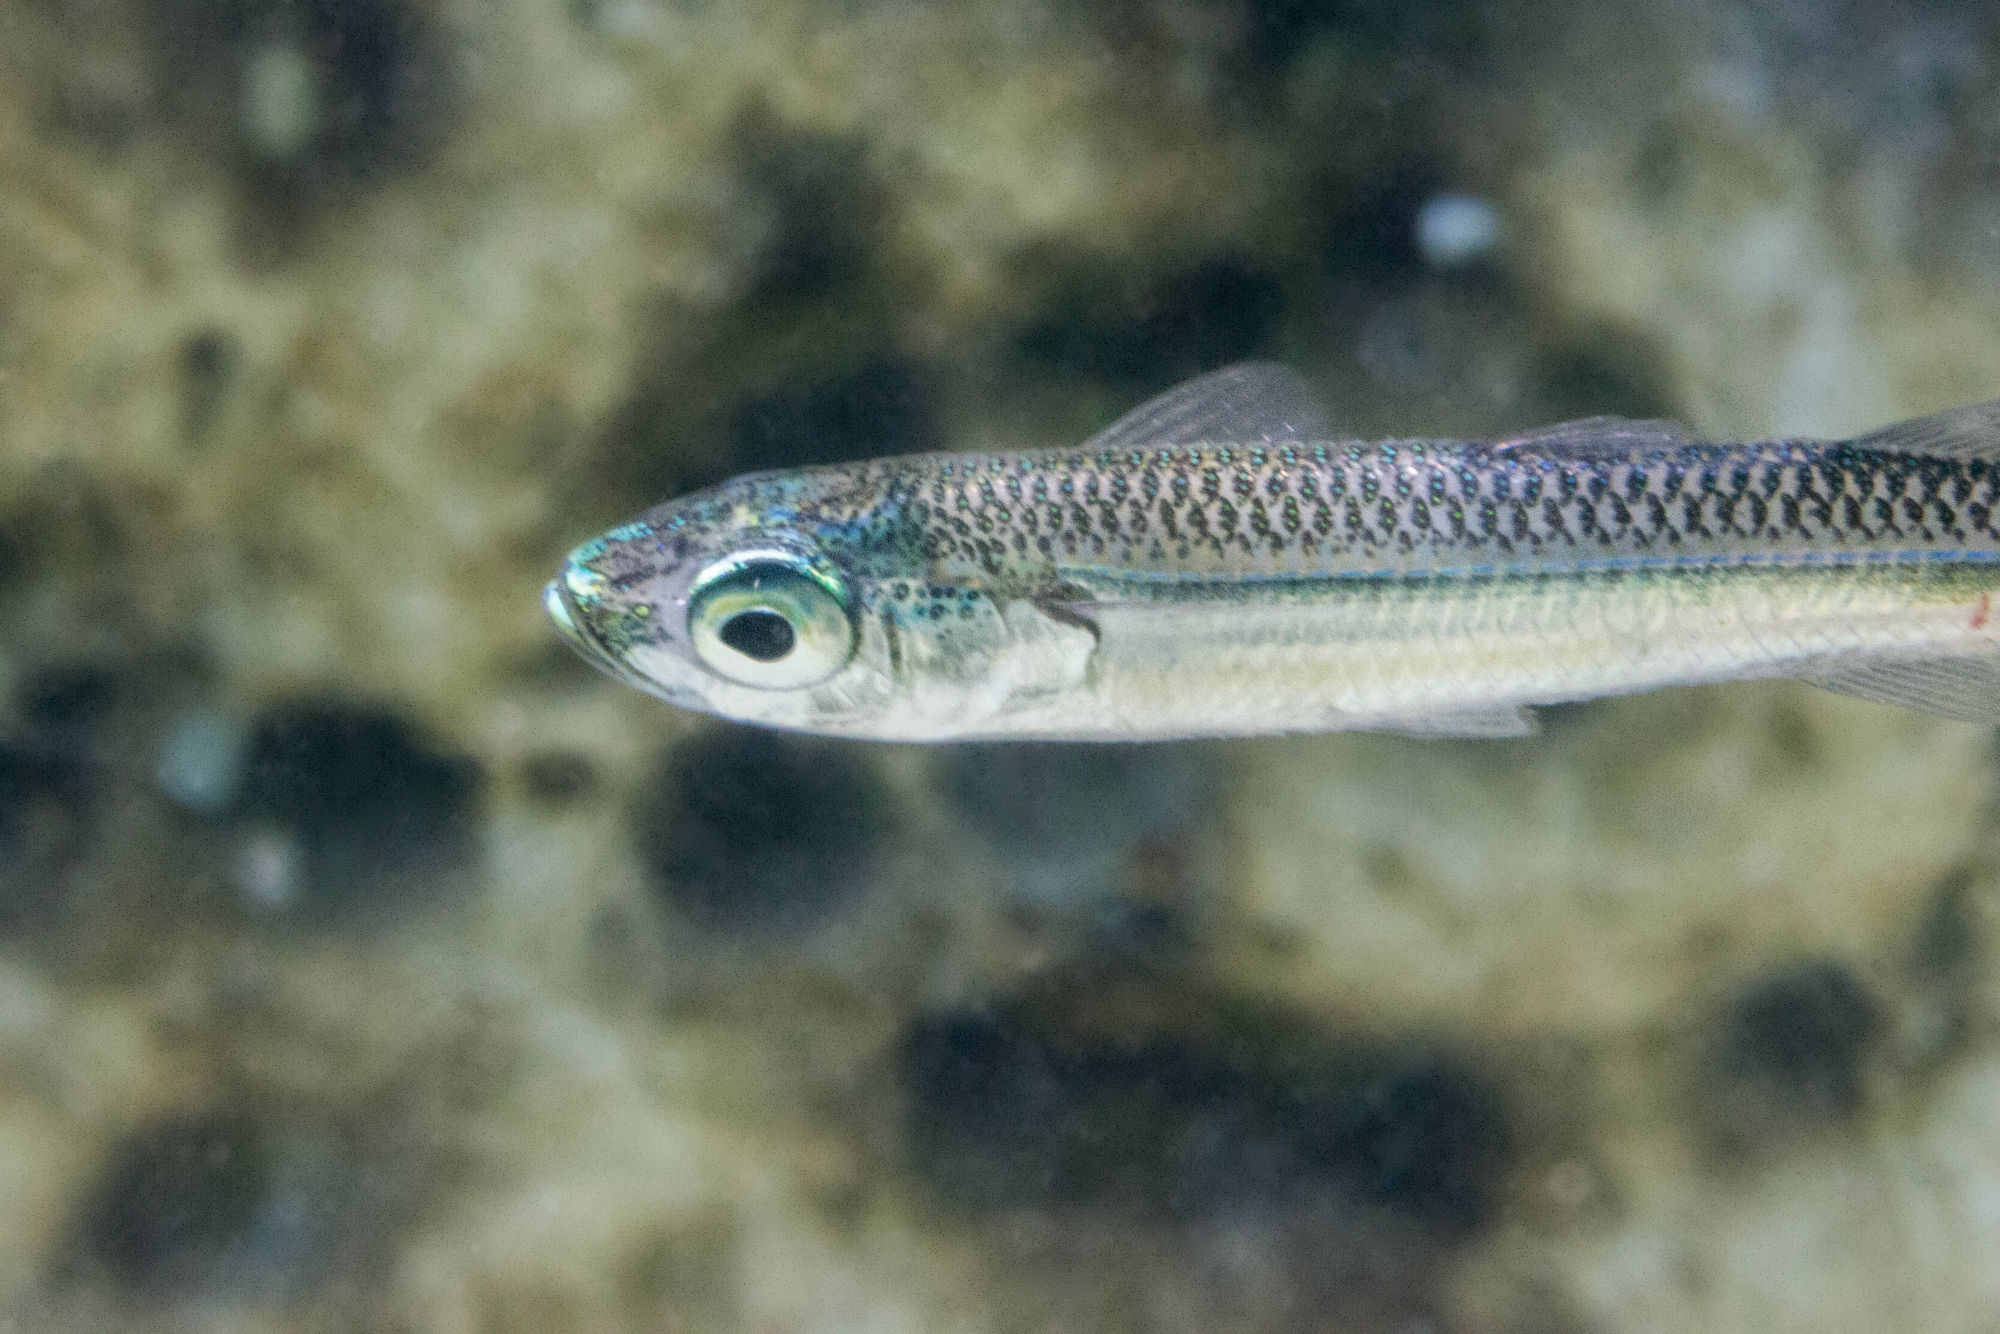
<point>816,601</point>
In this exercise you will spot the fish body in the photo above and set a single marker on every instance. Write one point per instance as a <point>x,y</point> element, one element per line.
<point>1218,563</point>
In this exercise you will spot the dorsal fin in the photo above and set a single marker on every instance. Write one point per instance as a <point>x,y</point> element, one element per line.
<point>1962,433</point>
<point>1599,438</point>
<point>1258,400</point>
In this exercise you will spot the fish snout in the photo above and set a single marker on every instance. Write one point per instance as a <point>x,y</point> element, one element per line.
<point>568,619</point>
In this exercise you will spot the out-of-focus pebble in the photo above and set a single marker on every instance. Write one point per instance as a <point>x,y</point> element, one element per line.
<point>269,868</point>
<point>1455,229</point>
<point>201,765</point>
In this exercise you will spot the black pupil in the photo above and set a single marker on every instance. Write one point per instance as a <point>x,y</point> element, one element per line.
<point>762,635</point>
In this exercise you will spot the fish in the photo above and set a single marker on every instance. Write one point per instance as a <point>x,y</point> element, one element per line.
<point>1219,563</point>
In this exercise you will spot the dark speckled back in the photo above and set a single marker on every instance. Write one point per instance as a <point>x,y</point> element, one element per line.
<point>1289,510</point>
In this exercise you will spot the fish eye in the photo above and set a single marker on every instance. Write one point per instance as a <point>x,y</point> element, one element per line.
<point>770,619</point>
<point>759,634</point>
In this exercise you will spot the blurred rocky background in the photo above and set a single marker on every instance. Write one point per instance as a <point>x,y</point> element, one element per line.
<point>369,964</point>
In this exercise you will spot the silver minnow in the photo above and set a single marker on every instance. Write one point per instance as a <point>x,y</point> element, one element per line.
<point>1218,564</point>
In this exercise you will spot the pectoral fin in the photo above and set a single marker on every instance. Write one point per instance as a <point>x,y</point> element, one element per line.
<point>1049,654</point>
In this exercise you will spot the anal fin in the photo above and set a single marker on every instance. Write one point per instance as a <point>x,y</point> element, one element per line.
<point>1500,721</point>
<point>1967,689</point>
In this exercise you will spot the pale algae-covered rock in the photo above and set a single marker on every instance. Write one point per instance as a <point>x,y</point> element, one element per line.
<point>370,965</point>
<point>1715,917</point>
<point>1593,878</point>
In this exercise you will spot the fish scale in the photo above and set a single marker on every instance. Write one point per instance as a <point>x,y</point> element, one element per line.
<point>1412,507</point>
<point>1217,563</point>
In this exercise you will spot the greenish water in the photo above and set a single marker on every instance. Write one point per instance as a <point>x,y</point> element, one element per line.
<point>369,963</point>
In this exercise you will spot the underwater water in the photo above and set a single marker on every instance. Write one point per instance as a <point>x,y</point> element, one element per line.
<point>370,963</point>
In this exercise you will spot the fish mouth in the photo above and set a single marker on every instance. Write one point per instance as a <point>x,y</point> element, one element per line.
<point>560,601</point>
<point>561,606</point>
<point>565,609</point>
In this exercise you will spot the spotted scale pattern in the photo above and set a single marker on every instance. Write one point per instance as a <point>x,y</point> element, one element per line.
<point>1140,586</point>
<point>1258,512</point>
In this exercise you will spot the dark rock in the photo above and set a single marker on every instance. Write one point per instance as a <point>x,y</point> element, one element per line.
<point>1076,822</point>
<point>757,831</point>
<point>48,804</point>
<point>1445,36</point>
<point>1805,1029</point>
<point>176,1204</point>
<point>883,407</point>
<point>66,699</point>
<point>1430,1138</point>
<point>1604,371</point>
<point>377,84</point>
<point>825,206</point>
<point>1367,231</point>
<point>308,101</point>
<point>1012,1107</point>
<point>1144,331</point>
<point>1949,941</point>
<point>375,807</point>
<point>559,777</point>
<point>209,362</point>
